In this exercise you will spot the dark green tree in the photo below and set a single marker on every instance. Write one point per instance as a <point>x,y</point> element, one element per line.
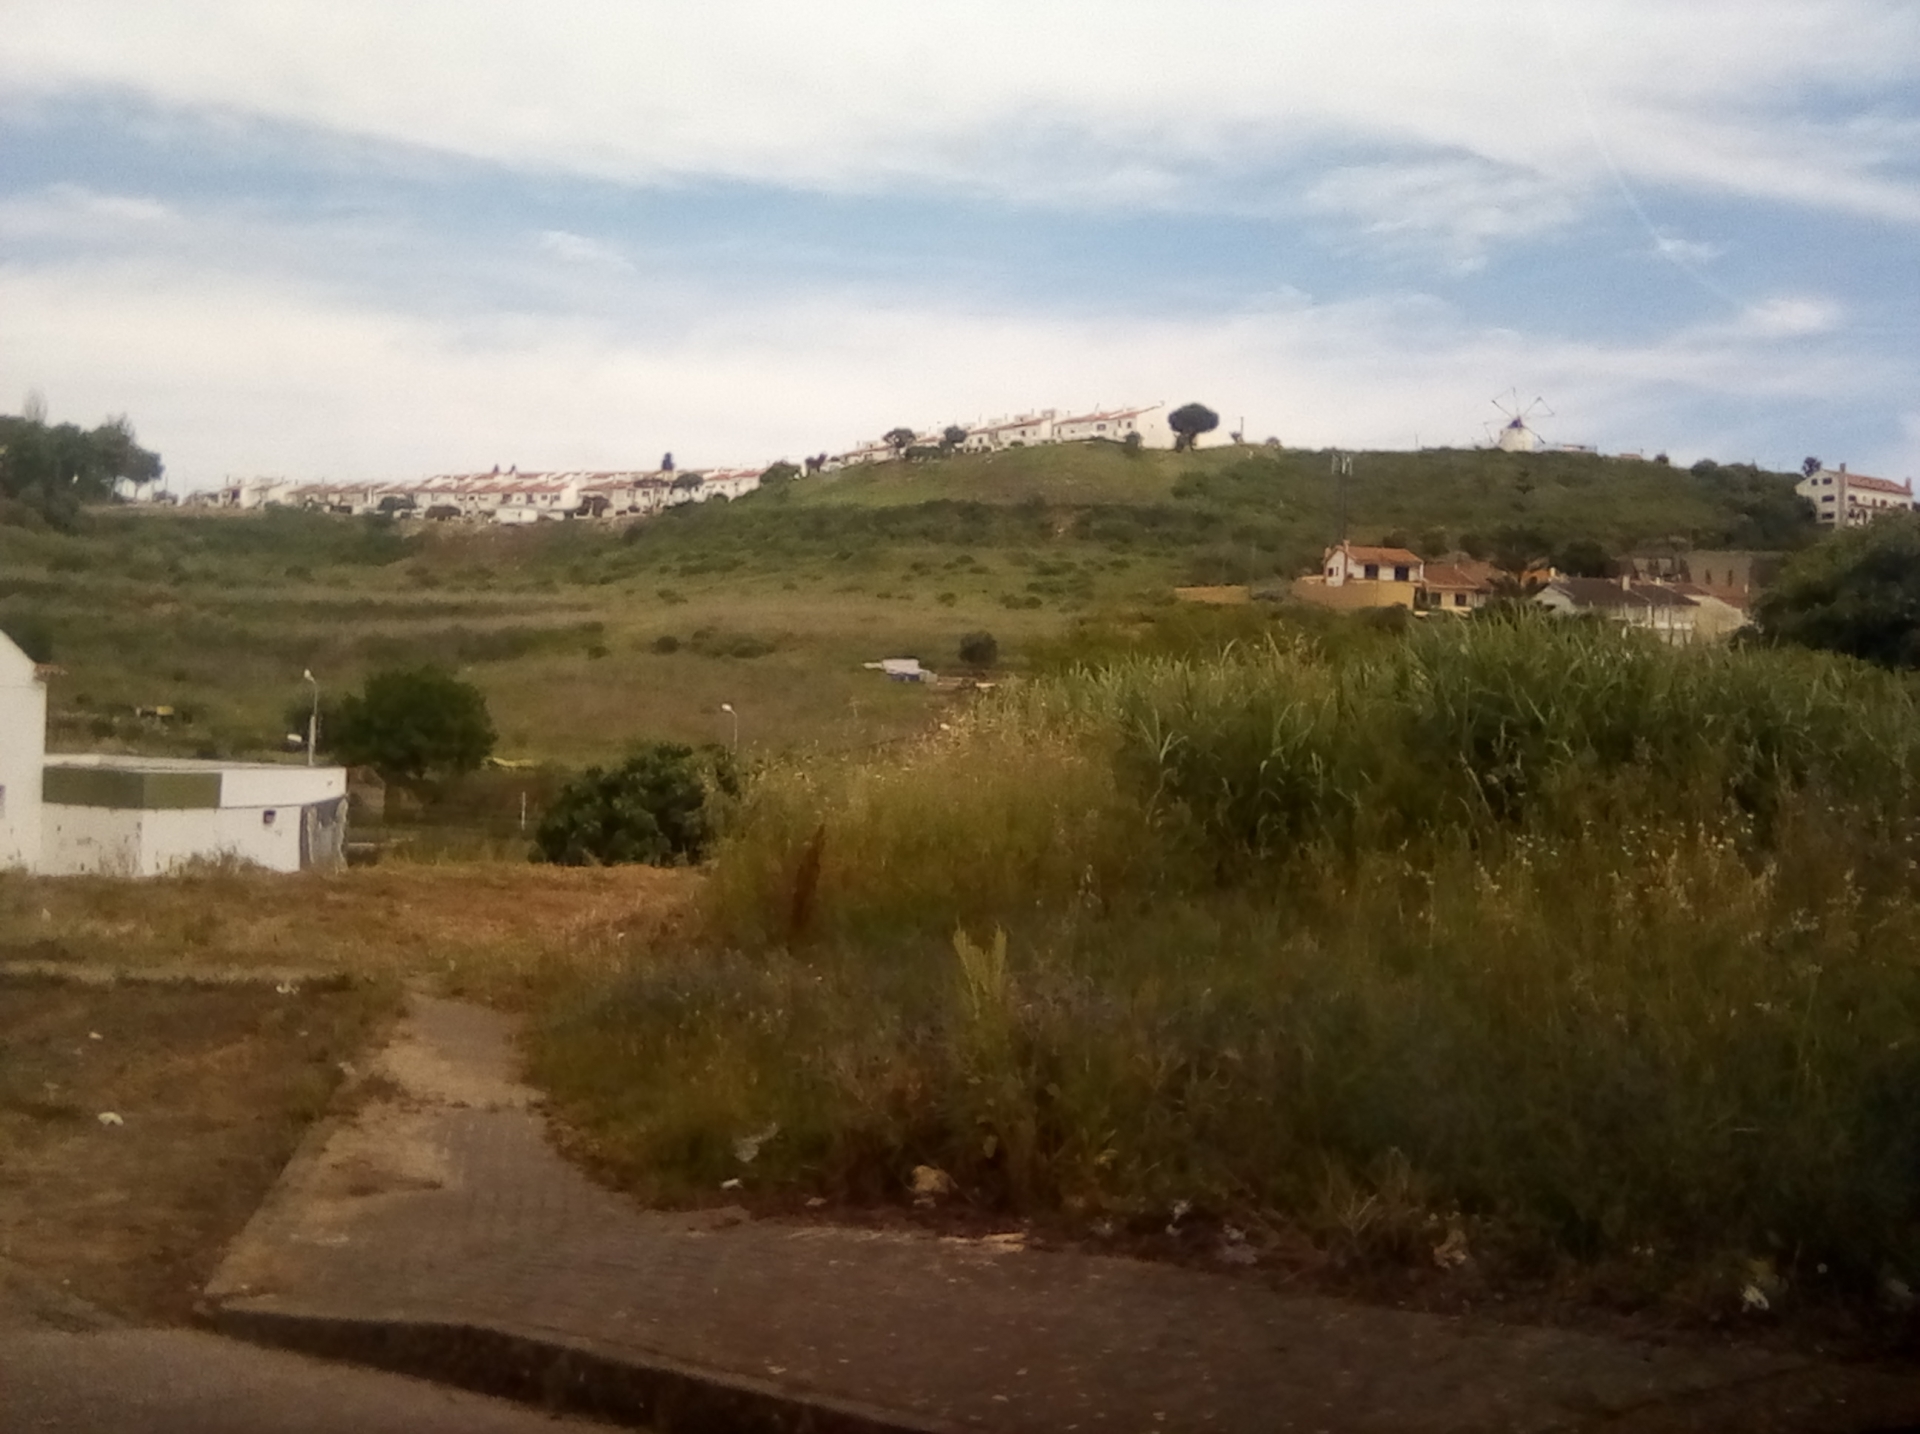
<point>951,437</point>
<point>1584,558</point>
<point>979,649</point>
<point>656,809</point>
<point>48,471</point>
<point>1857,592</point>
<point>1189,421</point>
<point>414,726</point>
<point>777,473</point>
<point>898,438</point>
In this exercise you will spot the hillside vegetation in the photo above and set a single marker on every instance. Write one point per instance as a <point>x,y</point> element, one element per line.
<point>586,636</point>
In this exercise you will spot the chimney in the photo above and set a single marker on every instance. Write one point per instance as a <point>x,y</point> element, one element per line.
<point>1843,468</point>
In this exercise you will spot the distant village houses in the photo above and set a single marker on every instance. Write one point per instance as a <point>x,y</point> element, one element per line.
<point>1682,598</point>
<point>514,498</point>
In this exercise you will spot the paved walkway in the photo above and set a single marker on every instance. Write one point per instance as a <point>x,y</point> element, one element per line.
<point>436,1231</point>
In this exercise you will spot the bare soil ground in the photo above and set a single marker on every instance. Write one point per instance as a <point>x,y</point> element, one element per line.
<point>483,928</point>
<point>212,1086</point>
<point>213,1071</point>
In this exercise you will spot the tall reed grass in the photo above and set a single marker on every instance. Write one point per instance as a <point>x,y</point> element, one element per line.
<point>1603,948</point>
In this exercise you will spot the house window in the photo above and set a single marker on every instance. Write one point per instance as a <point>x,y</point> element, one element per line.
<point>1459,599</point>
<point>266,817</point>
<point>1400,574</point>
<point>1372,571</point>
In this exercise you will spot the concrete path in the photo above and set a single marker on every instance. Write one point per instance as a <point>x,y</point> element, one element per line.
<point>436,1231</point>
<point>177,1381</point>
<point>68,1366</point>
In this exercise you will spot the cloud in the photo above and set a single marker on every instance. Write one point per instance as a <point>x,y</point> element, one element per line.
<point>578,249</point>
<point>76,213</point>
<point>1686,251</point>
<point>1452,210</point>
<point>1201,102</point>
<point>1787,317</point>
<point>234,372</point>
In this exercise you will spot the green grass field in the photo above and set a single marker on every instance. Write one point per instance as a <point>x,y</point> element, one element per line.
<point>586,637</point>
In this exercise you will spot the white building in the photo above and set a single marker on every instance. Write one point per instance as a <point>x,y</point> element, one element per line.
<point>1025,430</point>
<point>1115,425</point>
<point>1852,500</point>
<point>1352,563</point>
<point>1657,607</point>
<point>65,815</point>
<point>23,726</point>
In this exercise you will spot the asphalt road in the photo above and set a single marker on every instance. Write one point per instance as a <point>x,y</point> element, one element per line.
<point>174,1381</point>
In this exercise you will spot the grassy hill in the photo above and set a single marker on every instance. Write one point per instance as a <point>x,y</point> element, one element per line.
<point>585,637</point>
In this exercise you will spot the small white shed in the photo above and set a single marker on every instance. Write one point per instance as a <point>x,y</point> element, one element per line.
<point>143,816</point>
<point>70,814</point>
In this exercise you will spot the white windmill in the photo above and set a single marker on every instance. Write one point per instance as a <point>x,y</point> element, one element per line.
<point>1516,435</point>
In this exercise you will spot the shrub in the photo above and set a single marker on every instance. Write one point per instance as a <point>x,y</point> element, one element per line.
<point>654,809</point>
<point>979,649</point>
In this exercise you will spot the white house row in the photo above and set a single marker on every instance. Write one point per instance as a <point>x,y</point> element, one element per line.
<point>1029,430</point>
<point>509,497</point>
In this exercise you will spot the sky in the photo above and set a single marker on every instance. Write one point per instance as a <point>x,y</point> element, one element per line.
<point>363,239</point>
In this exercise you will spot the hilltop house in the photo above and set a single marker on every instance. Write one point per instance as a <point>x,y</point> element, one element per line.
<point>1026,430</point>
<point>1852,500</point>
<point>1115,425</point>
<point>141,816</point>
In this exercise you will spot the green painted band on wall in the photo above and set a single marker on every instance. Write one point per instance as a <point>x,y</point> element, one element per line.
<point>129,790</point>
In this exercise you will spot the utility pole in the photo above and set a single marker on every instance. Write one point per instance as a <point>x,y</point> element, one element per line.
<point>1342,471</point>
<point>313,716</point>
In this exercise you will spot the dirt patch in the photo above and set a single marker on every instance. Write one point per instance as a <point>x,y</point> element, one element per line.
<point>142,1123</point>
<point>483,929</point>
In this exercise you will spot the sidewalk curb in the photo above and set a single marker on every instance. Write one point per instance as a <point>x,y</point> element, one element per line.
<point>562,1377</point>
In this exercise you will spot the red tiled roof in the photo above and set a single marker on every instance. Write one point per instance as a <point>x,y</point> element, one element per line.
<point>1470,575</point>
<point>1393,557</point>
<point>1877,485</point>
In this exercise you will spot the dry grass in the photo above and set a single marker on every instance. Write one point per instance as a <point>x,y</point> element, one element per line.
<point>491,929</point>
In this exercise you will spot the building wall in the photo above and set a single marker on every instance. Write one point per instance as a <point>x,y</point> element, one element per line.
<point>125,841</point>
<point>1355,593</point>
<point>104,841</point>
<point>23,739</point>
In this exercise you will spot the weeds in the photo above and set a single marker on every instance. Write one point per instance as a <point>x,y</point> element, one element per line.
<point>1598,947</point>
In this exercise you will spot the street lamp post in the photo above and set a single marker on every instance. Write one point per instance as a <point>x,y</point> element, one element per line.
<point>313,716</point>
<point>727,707</point>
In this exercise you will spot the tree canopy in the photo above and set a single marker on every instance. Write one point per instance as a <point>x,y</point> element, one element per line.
<point>414,724</point>
<point>1189,421</point>
<point>1858,592</point>
<point>47,471</point>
